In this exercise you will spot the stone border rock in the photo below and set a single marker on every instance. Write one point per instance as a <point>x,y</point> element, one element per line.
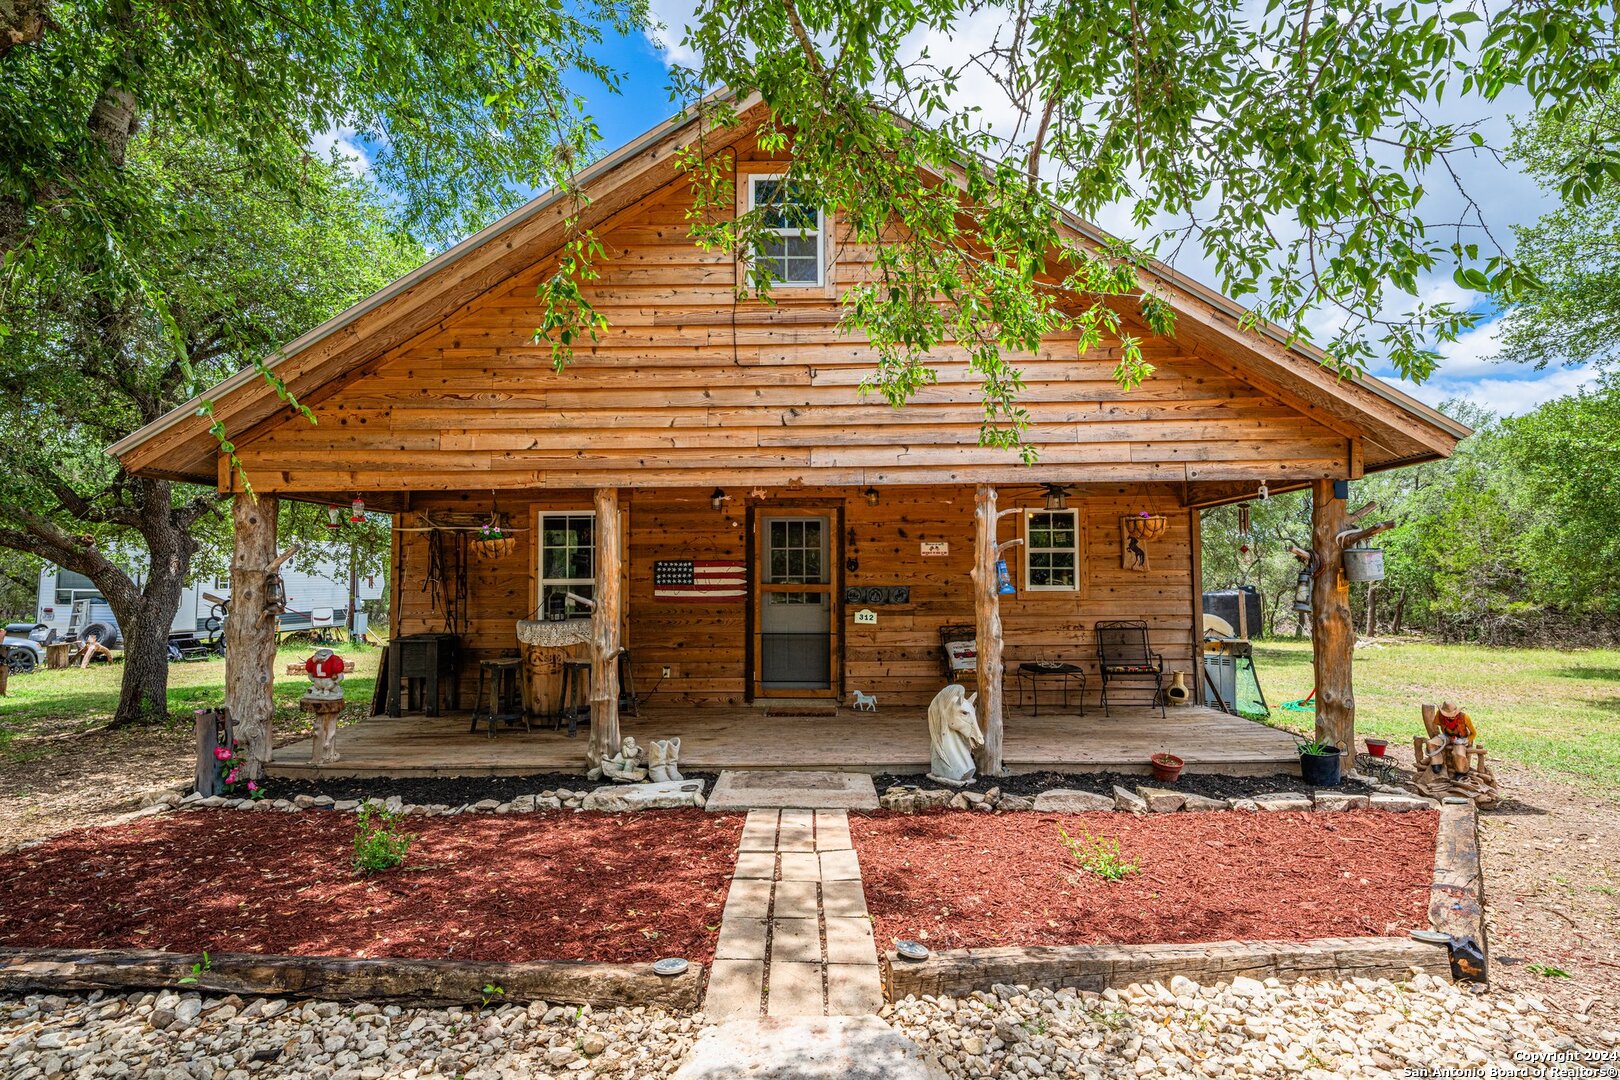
<point>384,980</point>
<point>909,799</point>
<point>1098,967</point>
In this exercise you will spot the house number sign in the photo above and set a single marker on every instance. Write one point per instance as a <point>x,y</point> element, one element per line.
<point>866,617</point>
<point>936,548</point>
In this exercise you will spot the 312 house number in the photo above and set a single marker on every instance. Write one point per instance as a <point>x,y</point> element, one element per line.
<point>866,617</point>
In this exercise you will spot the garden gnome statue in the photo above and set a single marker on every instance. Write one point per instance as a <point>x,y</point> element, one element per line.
<point>1450,762</point>
<point>625,766</point>
<point>953,731</point>
<point>662,757</point>
<point>325,670</point>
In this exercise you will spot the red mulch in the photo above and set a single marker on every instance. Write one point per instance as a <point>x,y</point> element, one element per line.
<point>957,880</point>
<point>616,888</point>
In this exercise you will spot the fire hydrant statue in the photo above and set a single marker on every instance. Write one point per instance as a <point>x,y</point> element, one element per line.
<point>323,701</point>
<point>325,671</point>
<point>1450,761</point>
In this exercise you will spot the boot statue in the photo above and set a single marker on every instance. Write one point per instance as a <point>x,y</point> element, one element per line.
<point>663,755</point>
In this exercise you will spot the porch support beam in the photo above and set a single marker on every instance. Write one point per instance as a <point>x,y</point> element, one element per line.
<point>1333,638</point>
<point>605,631</point>
<point>250,628</point>
<point>987,628</point>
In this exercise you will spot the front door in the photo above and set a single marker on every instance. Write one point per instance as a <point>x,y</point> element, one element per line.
<point>793,592</point>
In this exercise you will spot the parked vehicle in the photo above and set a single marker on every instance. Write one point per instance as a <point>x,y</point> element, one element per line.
<point>25,646</point>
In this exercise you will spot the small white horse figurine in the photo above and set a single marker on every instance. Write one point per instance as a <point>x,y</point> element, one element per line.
<point>866,701</point>
<point>953,730</point>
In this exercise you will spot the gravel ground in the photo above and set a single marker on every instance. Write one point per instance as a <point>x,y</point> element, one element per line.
<point>187,1037</point>
<point>1359,1028</point>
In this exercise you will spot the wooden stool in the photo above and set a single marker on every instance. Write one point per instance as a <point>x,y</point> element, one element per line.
<point>576,683</point>
<point>505,694</point>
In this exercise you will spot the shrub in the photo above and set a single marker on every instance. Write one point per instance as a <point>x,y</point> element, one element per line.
<point>1098,855</point>
<point>379,843</point>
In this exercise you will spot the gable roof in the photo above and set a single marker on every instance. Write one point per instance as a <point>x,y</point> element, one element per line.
<point>1397,429</point>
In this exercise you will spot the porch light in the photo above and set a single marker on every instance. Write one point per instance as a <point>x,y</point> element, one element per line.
<point>1057,497</point>
<point>1264,492</point>
<point>871,494</point>
<point>358,508</point>
<point>718,498</point>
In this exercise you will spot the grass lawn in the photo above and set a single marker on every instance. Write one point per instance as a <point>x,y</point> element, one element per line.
<point>47,702</point>
<point>1551,709</point>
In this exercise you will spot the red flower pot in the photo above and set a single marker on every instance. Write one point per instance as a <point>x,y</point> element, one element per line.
<point>1376,747</point>
<point>1166,767</point>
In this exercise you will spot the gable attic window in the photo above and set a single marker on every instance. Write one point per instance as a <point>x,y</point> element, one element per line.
<point>790,248</point>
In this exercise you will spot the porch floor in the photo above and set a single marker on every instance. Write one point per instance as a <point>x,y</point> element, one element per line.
<point>894,740</point>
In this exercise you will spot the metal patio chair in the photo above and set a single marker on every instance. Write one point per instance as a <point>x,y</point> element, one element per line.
<point>1123,654</point>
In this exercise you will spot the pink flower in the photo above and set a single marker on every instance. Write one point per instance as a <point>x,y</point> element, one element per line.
<point>252,786</point>
<point>221,754</point>
<point>230,778</point>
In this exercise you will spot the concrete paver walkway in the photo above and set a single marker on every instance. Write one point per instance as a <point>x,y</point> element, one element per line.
<point>795,939</point>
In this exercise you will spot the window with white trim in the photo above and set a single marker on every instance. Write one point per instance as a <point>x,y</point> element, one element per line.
<point>790,247</point>
<point>567,560</point>
<point>1052,550</point>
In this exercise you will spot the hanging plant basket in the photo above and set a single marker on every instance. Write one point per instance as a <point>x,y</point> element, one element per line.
<point>494,547</point>
<point>1146,527</point>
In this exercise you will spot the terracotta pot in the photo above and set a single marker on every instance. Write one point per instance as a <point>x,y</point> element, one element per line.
<point>1166,767</point>
<point>1376,747</point>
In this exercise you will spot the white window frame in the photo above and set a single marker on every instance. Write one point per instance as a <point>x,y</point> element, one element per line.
<point>541,581</point>
<point>1029,550</point>
<point>754,180</point>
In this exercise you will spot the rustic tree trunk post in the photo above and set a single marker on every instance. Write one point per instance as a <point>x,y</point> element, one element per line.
<point>1333,637</point>
<point>250,629</point>
<point>987,628</point>
<point>605,631</point>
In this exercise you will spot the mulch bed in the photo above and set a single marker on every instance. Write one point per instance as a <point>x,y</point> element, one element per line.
<point>618,888</point>
<point>442,790</point>
<point>955,880</point>
<point>1210,785</point>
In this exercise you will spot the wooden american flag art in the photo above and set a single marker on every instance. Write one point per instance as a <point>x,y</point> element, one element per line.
<point>700,580</point>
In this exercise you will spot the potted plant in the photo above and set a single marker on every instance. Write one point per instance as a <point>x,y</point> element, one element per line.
<point>1319,764</point>
<point>493,542</point>
<point>1376,747</point>
<point>1166,767</point>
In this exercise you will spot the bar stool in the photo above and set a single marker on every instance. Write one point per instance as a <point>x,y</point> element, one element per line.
<point>505,695</point>
<point>576,684</point>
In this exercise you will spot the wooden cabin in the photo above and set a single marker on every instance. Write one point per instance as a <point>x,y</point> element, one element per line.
<point>706,491</point>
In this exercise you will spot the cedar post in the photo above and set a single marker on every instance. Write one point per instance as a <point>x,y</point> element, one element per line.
<point>1333,638</point>
<point>250,629</point>
<point>605,631</point>
<point>987,628</point>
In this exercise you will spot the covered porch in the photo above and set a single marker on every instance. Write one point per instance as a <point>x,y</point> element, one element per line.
<point>893,740</point>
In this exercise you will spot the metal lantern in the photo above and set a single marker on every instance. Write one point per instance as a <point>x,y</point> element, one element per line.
<point>1057,497</point>
<point>1302,591</point>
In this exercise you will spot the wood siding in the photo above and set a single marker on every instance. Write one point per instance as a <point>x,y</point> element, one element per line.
<point>706,644</point>
<point>690,386</point>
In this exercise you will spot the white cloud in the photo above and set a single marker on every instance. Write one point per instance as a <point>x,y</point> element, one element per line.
<point>671,17</point>
<point>339,144</point>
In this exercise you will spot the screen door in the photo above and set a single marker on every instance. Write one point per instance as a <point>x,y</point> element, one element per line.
<point>794,591</point>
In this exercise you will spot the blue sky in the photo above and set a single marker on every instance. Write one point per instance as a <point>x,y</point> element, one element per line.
<point>1467,370</point>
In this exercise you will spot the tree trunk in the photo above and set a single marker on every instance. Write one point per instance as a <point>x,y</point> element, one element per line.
<point>1333,636</point>
<point>144,696</point>
<point>605,631</point>
<point>250,629</point>
<point>987,629</point>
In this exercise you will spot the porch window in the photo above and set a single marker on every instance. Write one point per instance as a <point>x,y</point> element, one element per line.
<point>567,560</point>
<point>1052,550</point>
<point>790,248</point>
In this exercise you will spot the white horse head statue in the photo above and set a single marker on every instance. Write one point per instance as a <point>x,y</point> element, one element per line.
<point>953,730</point>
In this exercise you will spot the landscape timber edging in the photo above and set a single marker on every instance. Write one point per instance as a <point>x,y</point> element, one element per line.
<point>1457,897</point>
<point>384,979</point>
<point>1099,967</point>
